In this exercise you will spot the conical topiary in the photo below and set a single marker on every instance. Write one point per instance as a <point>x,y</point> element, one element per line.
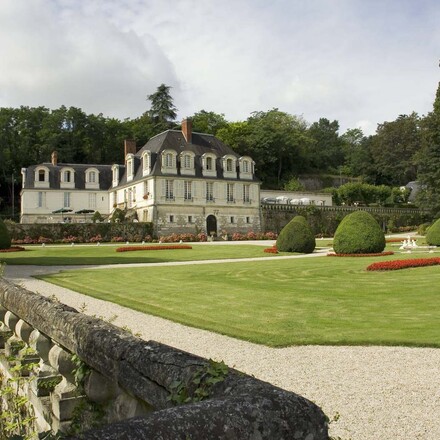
<point>296,236</point>
<point>433,234</point>
<point>5,238</point>
<point>359,233</point>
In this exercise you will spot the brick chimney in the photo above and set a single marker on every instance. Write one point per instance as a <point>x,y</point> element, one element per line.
<point>54,158</point>
<point>129,147</point>
<point>187,129</point>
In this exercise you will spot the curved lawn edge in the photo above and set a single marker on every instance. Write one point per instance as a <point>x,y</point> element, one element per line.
<point>377,254</point>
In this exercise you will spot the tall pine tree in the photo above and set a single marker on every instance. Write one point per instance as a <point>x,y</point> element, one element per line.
<point>162,111</point>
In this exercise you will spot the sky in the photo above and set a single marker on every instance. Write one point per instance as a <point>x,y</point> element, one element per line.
<point>359,62</point>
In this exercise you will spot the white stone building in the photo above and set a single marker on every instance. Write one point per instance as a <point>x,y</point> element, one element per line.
<point>180,180</point>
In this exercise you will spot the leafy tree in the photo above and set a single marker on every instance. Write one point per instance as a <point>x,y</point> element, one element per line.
<point>429,160</point>
<point>162,111</point>
<point>5,237</point>
<point>326,150</point>
<point>394,149</point>
<point>293,184</point>
<point>208,122</point>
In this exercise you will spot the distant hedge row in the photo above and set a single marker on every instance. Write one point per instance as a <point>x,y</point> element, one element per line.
<point>85,231</point>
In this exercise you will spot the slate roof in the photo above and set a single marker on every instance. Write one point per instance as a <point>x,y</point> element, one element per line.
<point>105,175</point>
<point>174,140</point>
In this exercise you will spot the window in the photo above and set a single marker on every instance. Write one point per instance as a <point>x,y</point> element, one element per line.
<point>146,162</point>
<point>41,199</point>
<point>209,163</point>
<point>169,189</point>
<point>92,200</point>
<point>246,197</point>
<point>232,219</point>
<point>187,190</point>
<point>210,191</point>
<point>171,218</point>
<point>248,220</point>
<point>230,192</point>
<point>41,175</point>
<point>190,219</point>
<point>169,160</point>
<point>67,200</point>
<point>187,161</point>
<point>67,176</point>
<point>229,165</point>
<point>245,166</point>
<point>92,177</point>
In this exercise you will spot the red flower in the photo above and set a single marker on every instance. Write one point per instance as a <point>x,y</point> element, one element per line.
<point>379,254</point>
<point>272,250</point>
<point>404,264</point>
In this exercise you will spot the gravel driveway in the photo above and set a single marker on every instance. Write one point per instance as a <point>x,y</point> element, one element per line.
<point>380,393</point>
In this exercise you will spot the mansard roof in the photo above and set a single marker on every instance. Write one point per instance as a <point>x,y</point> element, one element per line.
<point>199,144</point>
<point>105,175</point>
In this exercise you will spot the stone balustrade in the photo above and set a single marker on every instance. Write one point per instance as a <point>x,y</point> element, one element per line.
<point>83,371</point>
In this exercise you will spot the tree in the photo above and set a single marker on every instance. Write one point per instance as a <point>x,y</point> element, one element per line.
<point>429,160</point>
<point>394,149</point>
<point>162,111</point>
<point>208,122</point>
<point>326,151</point>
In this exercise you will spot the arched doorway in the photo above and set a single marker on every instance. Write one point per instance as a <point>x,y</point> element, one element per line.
<point>211,225</point>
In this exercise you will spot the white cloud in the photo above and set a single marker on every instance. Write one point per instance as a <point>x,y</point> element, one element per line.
<point>349,60</point>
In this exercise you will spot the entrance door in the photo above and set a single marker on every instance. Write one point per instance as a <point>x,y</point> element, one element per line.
<point>211,225</point>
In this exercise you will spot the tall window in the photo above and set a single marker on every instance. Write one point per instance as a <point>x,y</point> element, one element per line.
<point>229,165</point>
<point>146,162</point>
<point>67,176</point>
<point>187,190</point>
<point>187,161</point>
<point>246,191</point>
<point>169,160</point>
<point>67,200</point>
<point>245,166</point>
<point>230,192</point>
<point>210,191</point>
<point>92,200</point>
<point>169,189</point>
<point>92,177</point>
<point>41,175</point>
<point>41,199</point>
<point>209,163</point>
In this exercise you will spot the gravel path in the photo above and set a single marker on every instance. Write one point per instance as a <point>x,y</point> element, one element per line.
<point>381,393</point>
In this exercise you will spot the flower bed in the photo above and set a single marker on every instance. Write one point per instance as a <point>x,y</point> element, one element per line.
<point>379,254</point>
<point>13,249</point>
<point>271,250</point>
<point>394,240</point>
<point>152,248</point>
<point>404,264</point>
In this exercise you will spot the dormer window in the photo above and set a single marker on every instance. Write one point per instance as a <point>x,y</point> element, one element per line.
<point>208,165</point>
<point>67,178</point>
<point>129,160</point>
<point>115,171</point>
<point>41,179</point>
<point>92,178</point>
<point>169,162</point>
<point>146,163</point>
<point>187,163</point>
<point>229,167</point>
<point>246,167</point>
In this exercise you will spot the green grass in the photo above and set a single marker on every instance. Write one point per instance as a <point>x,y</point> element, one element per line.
<point>332,301</point>
<point>106,254</point>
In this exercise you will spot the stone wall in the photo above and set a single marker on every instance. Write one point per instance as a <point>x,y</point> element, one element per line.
<point>134,382</point>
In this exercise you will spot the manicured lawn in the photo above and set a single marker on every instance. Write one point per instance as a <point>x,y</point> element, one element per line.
<point>106,254</point>
<point>323,300</point>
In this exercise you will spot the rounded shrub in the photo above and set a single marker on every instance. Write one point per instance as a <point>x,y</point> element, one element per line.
<point>433,234</point>
<point>5,238</point>
<point>296,236</point>
<point>359,233</point>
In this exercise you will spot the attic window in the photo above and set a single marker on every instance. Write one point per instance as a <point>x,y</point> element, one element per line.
<point>41,175</point>
<point>209,163</point>
<point>169,160</point>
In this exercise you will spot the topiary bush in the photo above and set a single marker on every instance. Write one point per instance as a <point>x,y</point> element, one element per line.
<point>5,238</point>
<point>359,233</point>
<point>433,234</point>
<point>296,236</point>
